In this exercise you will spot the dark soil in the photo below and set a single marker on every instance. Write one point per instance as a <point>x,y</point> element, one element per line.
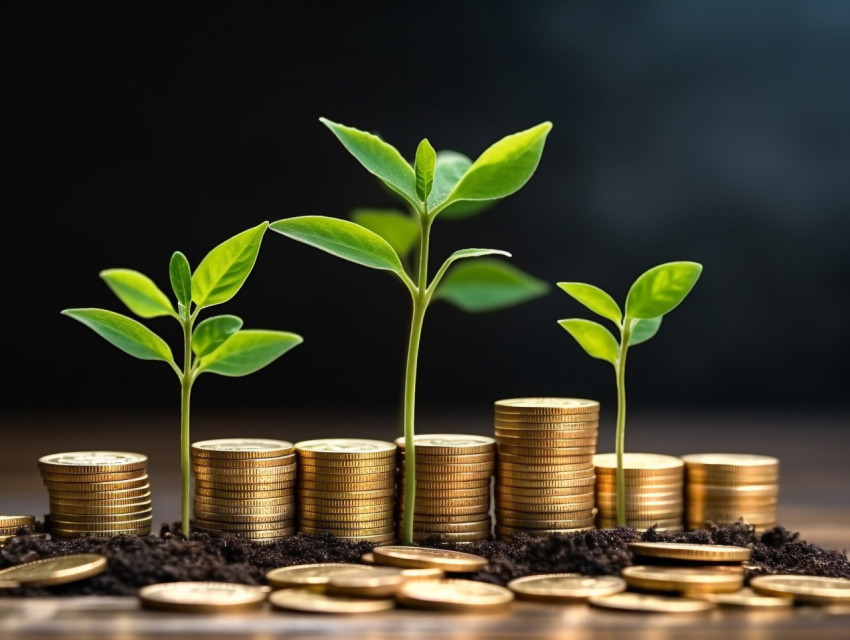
<point>138,561</point>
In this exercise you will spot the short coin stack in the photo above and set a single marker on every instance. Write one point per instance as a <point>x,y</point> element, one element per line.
<point>453,477</point>
<point>9,525</point>
<point>654,485</point>
<point>544,474</point>
<point>347,486</point>
<point>97,493</point>
<point>245,486</point>
<point>725,487</point>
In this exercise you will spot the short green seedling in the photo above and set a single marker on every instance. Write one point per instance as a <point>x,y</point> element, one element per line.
<point>653,295</point>
<point>219,344</point>
<point>447,184</point>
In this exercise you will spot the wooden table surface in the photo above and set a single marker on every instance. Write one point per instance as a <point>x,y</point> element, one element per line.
<point>814,499</point>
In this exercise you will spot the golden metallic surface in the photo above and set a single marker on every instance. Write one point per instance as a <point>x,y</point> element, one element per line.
<point>260,535</point>
<point>372,582</point>
<point>354,525</point>
<point>55,478</point>
<point>565,587</point>
<point>522,422</point>
<point>248,474</point>
<point>545,522</point>
<point>545,406</point>
<point>242,448</point>
<point>226,519</point>
<point>426,558</point>
<point>342,512</point>
<point>480,485</point>
<point>447,517</point>
<point>244,494</point>
<point>480,469</point>
<point>104,525</point>
<point>97,497</point>
<point>449,443</point>
<point>13,522</point>
<point>53,571</point>
<point>307,601</point>
<point>426,512</point>
<point>533,482</point>
<point>99,508</point>
<point>351,448</point>
<point>64,519</point>
<point>545,451</point>
<point>89,462</point>
<point>546,463</point>
<point>710,579</point>
<point>505,532</point>
<point>806,589</point>
<point>105,532</point>
<point>346,487</point>
<point>96,487</point>
<point>543,493</point>
<point>437,459</point>
<point>663,523</point>
<point>748,598</point>
<point>253,526</point>
<point>636,463</point>
<point>305,469</point>
<point>548,437</point>
<point>240,506</point>
<point>348,496</point>
<point>343,532</point>
<point>646,603</point>
<point>455,538</point>
<point>454,595</point>
<point>202,597</point>
<point>314,576</point>
<point>543,507</point>
<point>732,462</point>
<point>691,552</point>
<point>279,462</point>
<point>476,526</point>
<point>473,493</point>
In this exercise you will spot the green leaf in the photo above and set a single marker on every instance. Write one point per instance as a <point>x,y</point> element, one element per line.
<point>644,329</point>
<point>343,239</point>
<point>503,168</point>
<point>224,270</point>
<point>396,227</point>
<point>181,278</point>
<point>423,168</point>
<point>487,285</point>
<point>212,332</point>
<point>125,333</point>
<point>594,299</point>
<point>379,158</point>
<point>248,351</point>
<point>138,292</point>
<point>661,289</point>
<point>595,339</point>
<point>448,170</point>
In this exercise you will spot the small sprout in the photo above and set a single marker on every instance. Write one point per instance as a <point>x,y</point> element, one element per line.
<point>219,343</point>
<point>653,295</point>
<point>445,184</point>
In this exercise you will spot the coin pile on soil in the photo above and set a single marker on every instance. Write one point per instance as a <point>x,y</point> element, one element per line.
<point>134,562</point>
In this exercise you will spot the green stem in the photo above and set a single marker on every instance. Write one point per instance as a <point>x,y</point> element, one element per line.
<point>420,304</point>
<point>625,336</point>
<point>185,443</point>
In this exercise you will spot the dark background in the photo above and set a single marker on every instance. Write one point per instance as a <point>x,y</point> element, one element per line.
<point>711,131</point>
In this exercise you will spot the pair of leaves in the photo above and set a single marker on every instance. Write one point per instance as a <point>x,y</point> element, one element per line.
<point>654,294</point>
<point>476,287</point>
<point>442,181</point>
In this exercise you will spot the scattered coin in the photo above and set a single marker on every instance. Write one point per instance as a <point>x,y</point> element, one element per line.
<point>691,552</point>
<point>202,597</point>
<point>565,587</point>
<point>647,603</point>
<point>746,597</point>
<point>454,595</point>
<point>13,522</point>
<point>313,576</point>
<point>807,589</point>
<point>372,582</point>
<point>307,601</point>
<point>58,570</point>
<point>426,558</point>
<point>716,579</point>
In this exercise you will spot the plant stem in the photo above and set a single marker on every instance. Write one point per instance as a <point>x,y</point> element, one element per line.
<point>420,304</point>
<point>621,423</point>
<point>185,462</point>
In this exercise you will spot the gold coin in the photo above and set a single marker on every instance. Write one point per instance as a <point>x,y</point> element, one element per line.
<point>745,492</point>
<point>546,463</point>
<point>278,462</point>
<point>691,552</point>
<point>454,595</point>
<point>242,448</point>
<point>56,478</point>
<point>546,452</point>
<point>520,422</point>
<point>307,601</point>
<point>250,519</point>
<point>430,536</point>
<point>257,524</point>
<point>450,503</point>
<point>247,494</point>
<point>424,512</point>
<point>647,603</point>
<point>245,503</point>
<point>384,499</point>
<point>505,532</point>
<point>729,462</point>
<point>96,504</point>
<point>123,494</point>
<point>529,503</point>
<point>100,525</point>
<point>371,582</point>
<point>111,531</point>
<point>229,512</point>
<point>379,510</point>
<point>454,527</point>
<point>439,459</point>
<point>257,488</point>
<point>634,462</point>
<point>13,522</point>
<point>305,469</point>
<point>447,517</point>
<point>717,579</point>
<point>260,535</point>
<point>369,522</point>
<point>346,487</point>
<point>351,448</point>
<point>747,598</point>
<point>543,493</point>
<point>541,521</point>
<point>543,483</point>
<point>90,488</point>
<point>548,472</point>
<point>565,587</point>
<point>586,446</point>
<point>310,576</point>
<point>202,597</point>
<point>344,532</point>
<point>449,443</point>
<point>90,462</point>
<point>482,485</point>
<point>64,519</point>
<point>451,470</point>
<point>533,509</point>
<point>425,558</point>
<point>227,474</point>
<point>452,493</point>
<point>53,571</point>
<point>807,589</point>
<point>543,437</point>
<point>547,405</point>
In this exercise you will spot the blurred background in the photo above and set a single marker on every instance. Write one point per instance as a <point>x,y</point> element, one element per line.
<point>709,131</point>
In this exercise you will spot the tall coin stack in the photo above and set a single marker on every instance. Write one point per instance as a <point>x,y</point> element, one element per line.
<point>544,473</point>
<point>245,486</point>
<point>97,493</point>
<point>725,487</point>
<point>347,486</point>
<point>654,485</point>
<point>453,477</point>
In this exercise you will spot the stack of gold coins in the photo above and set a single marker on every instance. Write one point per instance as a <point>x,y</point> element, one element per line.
<point>347,486</point>
<point>654,485</point>
<point>724,488</point>
<point>544,475</point>
<point>9,526</point>
<point>245,486</point>
<point>97,493</point>
<point>453,474</point>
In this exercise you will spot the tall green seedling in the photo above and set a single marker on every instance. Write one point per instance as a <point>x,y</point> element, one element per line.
<point>445,184</point>
<point>653,295</point>
<point>216,345</point>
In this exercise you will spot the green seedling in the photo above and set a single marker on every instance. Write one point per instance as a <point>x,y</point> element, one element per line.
<point>653,295</point>
<point>216,345</point>
<point>445,184</point>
